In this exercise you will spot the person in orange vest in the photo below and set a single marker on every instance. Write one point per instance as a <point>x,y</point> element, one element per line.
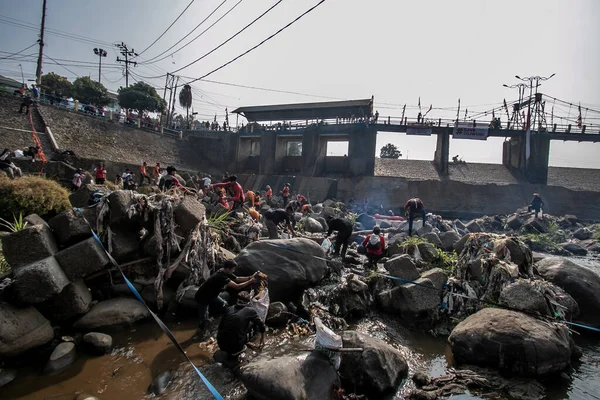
<point>253,199</point>
<point>144,174</point>
<point>156,173</point>
<point>285,193</point>
<point>269,195</point>
<point>223,199</point>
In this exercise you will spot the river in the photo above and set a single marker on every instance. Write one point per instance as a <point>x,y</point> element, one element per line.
<point>143,352</point>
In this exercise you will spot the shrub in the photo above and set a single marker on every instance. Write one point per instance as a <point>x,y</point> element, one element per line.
<point>31,195</point>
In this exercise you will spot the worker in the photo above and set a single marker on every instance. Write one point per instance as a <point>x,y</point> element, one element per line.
<point>536,204</point>
<point>413,208</point>
<point>253,199</point>
<point>374,245</point>
<point>254,214</point>
<point>169,181</point>
<point>274,217</point>
<point>7,165</point>
<point>238,193</point>
<point>301,199</point>
<point>269,195</point>
<point>222,200</point>
<point>344,230</point>
<point>156,173</point>
<point>144,174</point>
<point>207,296</point>
<point>285,193</point>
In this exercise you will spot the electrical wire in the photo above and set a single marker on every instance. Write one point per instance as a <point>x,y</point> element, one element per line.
<point>62,66</point>
<point>19,52</point>
<point>169,27</point>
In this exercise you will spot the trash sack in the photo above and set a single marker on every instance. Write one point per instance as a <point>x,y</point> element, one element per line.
<point>327,246</point>
<point>261,304</point>
<point>327,339</point>
<point>284,235</point>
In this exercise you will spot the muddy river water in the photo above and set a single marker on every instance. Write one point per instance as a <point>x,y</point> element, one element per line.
<point>143,352</point>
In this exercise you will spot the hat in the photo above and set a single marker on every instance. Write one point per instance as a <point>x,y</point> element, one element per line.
<point>376,230</point>
<point>536,194</point>
<point>268,187</point>
<point>287,184</point>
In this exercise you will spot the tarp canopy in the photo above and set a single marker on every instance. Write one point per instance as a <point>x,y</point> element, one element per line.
<point>304,111</point>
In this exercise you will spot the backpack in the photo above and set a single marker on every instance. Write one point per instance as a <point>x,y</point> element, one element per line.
<point>374,242</point>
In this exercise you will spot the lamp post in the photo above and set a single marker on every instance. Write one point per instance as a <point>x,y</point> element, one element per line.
<point>537,80</point>
<point>100,53</point>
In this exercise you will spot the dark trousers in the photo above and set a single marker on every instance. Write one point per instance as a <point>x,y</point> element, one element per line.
<point>272,228</point>
<point>341,242</point>
<point>536,209</point>
<point>285,200</point>
<point>214,306</point>
<point>411,218</point>
<point>142,177</point>
<point>26,106</point>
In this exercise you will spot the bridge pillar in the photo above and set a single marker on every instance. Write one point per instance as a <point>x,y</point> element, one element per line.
<point>441,157</point>
<point>534,169</point>
<point>314,151</point>
<point>362,145</point>
<point>268,153</point>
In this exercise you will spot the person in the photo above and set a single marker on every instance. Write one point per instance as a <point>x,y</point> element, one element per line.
<point>35,92</point>
<point>77,179</point>
<point>7,165</point>
<point>253,199</point>
<point>100,174</point>
<point>376,116</point>
<point>274,217</point>
<point>412,208</point>
<point>374,245</point>
<point>207,296</point>
<point>419,116</point>
<point>301,199</point>
<point>25,103</point>
<point>222,200</point>
<point>32,152</point>
<point>169,181</point>
<point>269,195</point>
<point>206,181</point>
<point>285,193</point>
<point>254,214</point>
<point>536,204</point>
<point>118,180</point>
<point>127,179</point>
<point>144,174</point>
<point>306,209</point>
<point>236,188</point>
<point>344,230</point>
<point>236,327</point>
<point>156,173</point>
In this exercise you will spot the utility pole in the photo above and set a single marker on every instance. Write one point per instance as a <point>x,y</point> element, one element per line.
<point>126,53</point>
<point>100,53</point>
<point>174,99</point>
<point>38,72</point>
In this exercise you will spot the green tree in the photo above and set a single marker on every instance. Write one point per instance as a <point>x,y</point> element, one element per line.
<point>390,151</point>
<point>91,92</point>
<point>141,97</point>
<point>54,83</point>
<point>185,100</point>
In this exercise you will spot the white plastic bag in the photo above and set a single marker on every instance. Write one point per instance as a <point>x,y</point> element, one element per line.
<point>261,305</point>
<point>327,246</point>
<point>327,339</point>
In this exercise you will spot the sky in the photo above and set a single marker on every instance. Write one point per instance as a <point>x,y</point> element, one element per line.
<point>398,51</point>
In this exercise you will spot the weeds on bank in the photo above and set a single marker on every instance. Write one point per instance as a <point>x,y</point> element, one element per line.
<point>540,241</point>
<point>411,241</point>
<point>218,219</point>
<point>446,261</point>
<point>32,195</point>
<point>18,223</point>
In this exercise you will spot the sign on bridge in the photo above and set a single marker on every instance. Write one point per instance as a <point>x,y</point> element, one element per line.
<point>466,130</point>
<point>418,130</point>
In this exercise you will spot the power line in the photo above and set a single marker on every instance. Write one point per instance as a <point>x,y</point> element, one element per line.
<point>62,66</point>
<point>19,52</point>
<point>169,27</point>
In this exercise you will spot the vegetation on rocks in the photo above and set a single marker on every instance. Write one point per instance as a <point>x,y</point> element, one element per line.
<point>31,195</point>
<point>446,261</point>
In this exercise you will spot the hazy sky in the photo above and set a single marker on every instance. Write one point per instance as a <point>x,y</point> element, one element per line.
<point>395,50</point>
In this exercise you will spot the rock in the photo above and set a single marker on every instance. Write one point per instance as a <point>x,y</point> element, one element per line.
<point>99,343</point>
<point>81,198</point>
<point>312,225</point>
<point>582,234</point>
<point>28,245</point>
<point>428,251</point>
<point>402,267</point>
<point>323,223</point>
<point>125,245</point>
<point>421,379</point>
<point>425,229</point>
<point>511,341</point>
<point>34,219</point>
<point>317,208</point>
<point>460,245</point>
<point>571,219</point>
<point>411,300</point>
<point>62,356</point>
<point>120,202</point>
<point>22,329</point>
<point>433,238</point>
<point>377,371</point>
<point>474,227</point>
<point>367,221</point>
<point>82,259</point>
<point>327,212</point>
<point>277,315</point>
<point>536,225</point>
<point>352,298</point>
<point>594,247</point>
<point>581,283</point>
<point>520,295</point>
<point>394,244</point>
<point>328,203</point>
<point>149,295</point>
<point>575,249</point>
<point>160,383</point>
<point>122,289</point>
<point>437,276</point>
<point>448,240</point>
<point>70,227</point>
<point>289,378</point>
<point>189,213</point>
<point>290,271</point>
<point>112,312</point>
<point>75,299</point>
<point>39,281</point>
<point>7,376</point>
<point>538,256</point>
<point>514,222</point>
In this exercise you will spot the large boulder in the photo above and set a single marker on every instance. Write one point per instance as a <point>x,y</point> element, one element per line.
<point>120,203</point>
<point>474,227</point>
<point>28,245</point>
<point>528,296</point>
<point>82,259</point>
<point>70,227</point>
<point>39,281</point>
<point>291,265</point>
<point>512,341</point>
<point>428,251</point>
<point>583,234</point>
<point>377,371</point>
<point>327,212</point>
<point>514,222</point>
<point>352,298</point>
<point>536,225</point>
<point>402,267</point>
<point>63,355</point>
<point>81,198</point>
<point>433,238</point>
<point>291,378</point>
<point>367,221</point>
<point>460,245</point>
<point>116,311</point>
<point>22,329</point>
<point>394,244</point>
<point>312,225</point>
<point>581,283</point>
<point>411,300</point>
<point>189,213</point>
<point>75,299</point>
<point>125,245</point>
<point>34,219</point>
<point>437,276</point>
<point>99,343</point>
<point>449,239</point>
<point>575,249</point>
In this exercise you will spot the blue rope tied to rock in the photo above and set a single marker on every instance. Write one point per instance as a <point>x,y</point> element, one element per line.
<point>161,324</point>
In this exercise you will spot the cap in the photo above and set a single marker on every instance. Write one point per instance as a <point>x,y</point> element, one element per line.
<point>268,187</point>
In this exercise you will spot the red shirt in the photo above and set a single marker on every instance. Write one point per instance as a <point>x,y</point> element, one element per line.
<point>378,251</point>
<point>223,202</point>
<point>100,173</point>
<point>238,192</point>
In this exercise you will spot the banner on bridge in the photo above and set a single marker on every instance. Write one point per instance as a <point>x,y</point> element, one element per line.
<point>418,130</point>
<point>466,130</point>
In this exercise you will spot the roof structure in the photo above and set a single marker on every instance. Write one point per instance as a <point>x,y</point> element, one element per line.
<point>9,82</point>
<point>304,111</point>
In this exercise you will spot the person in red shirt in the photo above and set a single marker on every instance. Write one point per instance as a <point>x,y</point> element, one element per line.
<point>223,199</point>
<point>413,208</point>
<point>374,245</point>
<point>236,188</point>
<point>285,193</point>
<point>100,174</point>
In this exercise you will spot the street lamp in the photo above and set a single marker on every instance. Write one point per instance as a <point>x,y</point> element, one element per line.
<point>100,53</point>
<point>537,80</point>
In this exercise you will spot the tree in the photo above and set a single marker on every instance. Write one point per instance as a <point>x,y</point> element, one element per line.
<point>294,149</point>
<point>390,151</point>
<point>141,97</point>
<point>91,92</point>
<point>185,100</point>
<point>56,84</point>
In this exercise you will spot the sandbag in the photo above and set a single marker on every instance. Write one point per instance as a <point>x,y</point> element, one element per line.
<point>261,304</point>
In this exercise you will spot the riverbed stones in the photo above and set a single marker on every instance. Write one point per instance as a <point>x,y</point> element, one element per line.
<point>403,267</point>
<point>474,227</point>
<point>460,245</point>
<point>514,222</point>
<point>522,296</point>
<point>28,245</point>
<point>511,341</point>
<point>433,238</point>
<point>117,311</point>
<point>412,300</point>
<point>448,239</point>
<point>120,202</point>
<point>189,213</point>
<point>312,225</point>
<point>63,355</point>
<point>290,378</point>
<point>292,266</point>
<point>125,245</point>
<point>536,225</point>
<point>98,343</point>
<point>581,283</point>
<point>75,299</point>
<point>574,248</point>
<point>277,315</point>
<point>161,383</point>
<point>22,329</point>
<point>437,276</point>
<point>367,221</point>
<point>377,371</point>
<point>82,259</point>
<point>34,219</point>
<point>428,251</point>
<point>70,227</point>
<point>582,234</point>
<point>7,376</point>
<point>39,281</point>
